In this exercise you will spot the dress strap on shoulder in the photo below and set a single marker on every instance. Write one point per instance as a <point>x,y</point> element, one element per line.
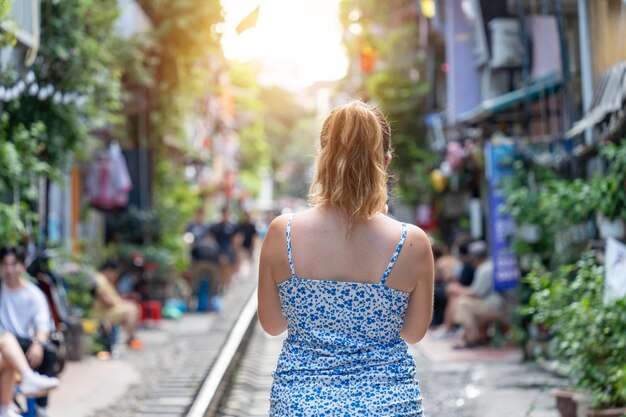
<point>395,255</point>
<point>289,254</point>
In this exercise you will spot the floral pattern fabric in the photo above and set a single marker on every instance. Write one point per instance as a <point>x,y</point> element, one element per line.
<point>343,355</point>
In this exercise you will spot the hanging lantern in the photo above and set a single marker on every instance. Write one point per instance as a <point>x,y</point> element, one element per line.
<point>438,180</point>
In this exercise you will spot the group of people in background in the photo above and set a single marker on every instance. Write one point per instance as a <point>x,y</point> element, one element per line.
<point>216,251</point>
<point>466,301</point>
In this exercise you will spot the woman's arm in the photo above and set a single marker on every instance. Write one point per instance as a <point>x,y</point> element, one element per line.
<point>420,309</point>
<point>270,312</point>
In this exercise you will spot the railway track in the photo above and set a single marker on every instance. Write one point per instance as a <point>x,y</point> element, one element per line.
<point>214,388</point>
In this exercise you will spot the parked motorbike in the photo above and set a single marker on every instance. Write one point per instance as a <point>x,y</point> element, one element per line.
<point>52,285</point>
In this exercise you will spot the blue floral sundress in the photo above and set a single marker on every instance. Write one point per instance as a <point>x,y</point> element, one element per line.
<point>343,355</point>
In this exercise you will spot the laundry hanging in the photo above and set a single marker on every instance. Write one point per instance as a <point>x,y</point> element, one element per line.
<point>108,180</point>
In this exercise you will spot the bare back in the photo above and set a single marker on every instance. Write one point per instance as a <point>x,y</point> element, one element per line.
<point>322,250</point>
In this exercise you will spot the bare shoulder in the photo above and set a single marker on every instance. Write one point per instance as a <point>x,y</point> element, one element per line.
<point>276,232</point>
<point>417,252</point>
<point>417,239</point>
<point>279,222</point>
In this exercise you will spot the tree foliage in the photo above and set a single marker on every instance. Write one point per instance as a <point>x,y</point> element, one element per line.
<point>74,57</point>
<point>254,150</point>
<point>6,38</point>
<point>38,134</point>
<point>275,132</point>
<point>180,60</point>
<point>282,115</point>
<point>395,83</point>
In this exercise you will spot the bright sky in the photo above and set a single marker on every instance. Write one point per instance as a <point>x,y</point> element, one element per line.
<point>298,42</point>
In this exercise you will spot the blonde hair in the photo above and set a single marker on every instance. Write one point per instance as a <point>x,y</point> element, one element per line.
<point>351,173</point>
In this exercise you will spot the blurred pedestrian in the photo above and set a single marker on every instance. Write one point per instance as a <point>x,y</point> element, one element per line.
<point>247,230</point>
<point>111,307</point>
<point>205,280</point>
<point>224,232</point>
<point>204,274</point>
<point>198,227</point>
<point>25,313</point>
<point>355,285</point>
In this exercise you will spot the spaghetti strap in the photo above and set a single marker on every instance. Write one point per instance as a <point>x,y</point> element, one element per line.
<point>289,254</point>
<point>395,255</point>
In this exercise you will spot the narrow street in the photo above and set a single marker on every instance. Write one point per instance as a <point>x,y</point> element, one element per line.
<point>163,379</point>
<point>152,150</point>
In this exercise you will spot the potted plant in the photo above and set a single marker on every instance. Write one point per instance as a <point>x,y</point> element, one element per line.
<point>79,279</point>
<point>588,336</point>
<point>610,193</point>
<point>611,206</point>
<point>522,192</point>
<point>521,205</point>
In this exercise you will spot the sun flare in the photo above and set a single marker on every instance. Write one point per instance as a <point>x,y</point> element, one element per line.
<point>296,42</point>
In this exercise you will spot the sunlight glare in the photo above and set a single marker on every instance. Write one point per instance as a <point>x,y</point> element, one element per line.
<point>297,42</point>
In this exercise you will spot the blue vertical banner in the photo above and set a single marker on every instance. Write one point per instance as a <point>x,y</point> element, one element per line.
<point>498,160</point>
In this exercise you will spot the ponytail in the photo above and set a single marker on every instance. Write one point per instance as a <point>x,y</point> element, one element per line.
<point>351,172</point>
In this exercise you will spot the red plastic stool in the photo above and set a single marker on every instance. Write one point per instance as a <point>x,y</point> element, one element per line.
<point>151,311</point>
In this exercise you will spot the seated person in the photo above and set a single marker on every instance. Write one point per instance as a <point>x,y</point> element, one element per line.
<point>445,269</point>
<point>12,362</point>
<point>466,276</point>
<point>25,313</point>
<point>109,306</point>
<point>479,304</point>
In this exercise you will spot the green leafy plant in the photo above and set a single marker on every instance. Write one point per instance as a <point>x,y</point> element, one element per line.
<point>7,36</point>
<point>80,283</point>
<point>610,197</point>
<point>19,167</point>
<point>135,227</point>
<point>589,336</point>
<point>610,189</point>
<point>75,57</point>
<point>566,202</point>
<point>523,191</point>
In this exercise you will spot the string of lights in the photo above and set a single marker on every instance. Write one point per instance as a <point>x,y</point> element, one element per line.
<point>30,86</point>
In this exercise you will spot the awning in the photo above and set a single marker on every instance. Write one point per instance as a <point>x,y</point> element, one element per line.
<point>504,102</point>
<point>608,99</point>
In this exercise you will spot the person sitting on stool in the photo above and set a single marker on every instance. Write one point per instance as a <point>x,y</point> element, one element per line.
<point>109,306</point>
<point>479,304</point>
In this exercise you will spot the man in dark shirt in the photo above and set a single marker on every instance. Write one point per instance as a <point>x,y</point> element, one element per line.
<point>247,230</point>
<point>224,233</point>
